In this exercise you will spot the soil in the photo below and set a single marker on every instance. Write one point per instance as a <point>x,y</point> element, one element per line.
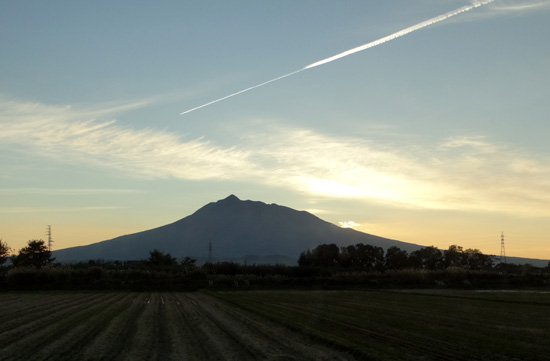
<point>145,326</point>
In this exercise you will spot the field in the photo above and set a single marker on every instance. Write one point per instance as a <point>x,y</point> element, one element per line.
<point>275,325</point>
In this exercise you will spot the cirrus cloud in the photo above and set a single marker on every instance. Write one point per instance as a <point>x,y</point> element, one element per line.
<point>459,173</point>
<point>85,136</point>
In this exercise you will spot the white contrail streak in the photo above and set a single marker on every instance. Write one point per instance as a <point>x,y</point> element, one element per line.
<point>242,91</point>
<point>399,33</point>
<point>358,49</point>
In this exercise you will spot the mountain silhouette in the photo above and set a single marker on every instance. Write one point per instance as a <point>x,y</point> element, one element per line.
<point>236,230</point>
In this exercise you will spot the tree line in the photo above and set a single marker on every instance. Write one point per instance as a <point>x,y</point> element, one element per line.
<point>369,258</point>
<point>359,257</point>
<point>36,254</point>
<point>327,265</point>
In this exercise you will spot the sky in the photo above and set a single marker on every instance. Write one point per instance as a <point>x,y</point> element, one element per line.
<point>438,137</point>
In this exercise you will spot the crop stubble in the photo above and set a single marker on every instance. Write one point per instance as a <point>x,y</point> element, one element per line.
<point>275,325</point>
<point>432,325</point>
<point>144,326</point>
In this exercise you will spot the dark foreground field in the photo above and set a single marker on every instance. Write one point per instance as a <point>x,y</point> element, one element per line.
<point>275,325</point>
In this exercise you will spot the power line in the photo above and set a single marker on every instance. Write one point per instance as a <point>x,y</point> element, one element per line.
<point>502,249</point>
<point>50,239</point>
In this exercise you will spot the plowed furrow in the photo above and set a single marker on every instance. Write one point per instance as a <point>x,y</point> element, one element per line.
<point>74,327</point>
<point>30,310</point>
<point>41,320</point>
<point>262,338</point>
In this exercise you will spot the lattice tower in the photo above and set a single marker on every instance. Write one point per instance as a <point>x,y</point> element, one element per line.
<point>502,249</point>
<point>50,239</point>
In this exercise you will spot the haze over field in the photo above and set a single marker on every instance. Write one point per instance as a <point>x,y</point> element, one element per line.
<point>437,137</point>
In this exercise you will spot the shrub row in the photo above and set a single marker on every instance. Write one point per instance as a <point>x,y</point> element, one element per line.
<point>256,277</point>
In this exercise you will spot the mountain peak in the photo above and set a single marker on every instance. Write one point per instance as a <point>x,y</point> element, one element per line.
<point>231,198</point>
<point>234,228</point>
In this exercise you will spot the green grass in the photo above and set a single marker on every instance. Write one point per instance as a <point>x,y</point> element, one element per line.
<point>436,325</point>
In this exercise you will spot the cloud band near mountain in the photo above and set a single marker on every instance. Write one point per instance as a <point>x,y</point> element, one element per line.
<point>459,173</point>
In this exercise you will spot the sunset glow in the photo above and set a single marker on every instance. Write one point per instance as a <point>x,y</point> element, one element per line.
<point>438,137</point>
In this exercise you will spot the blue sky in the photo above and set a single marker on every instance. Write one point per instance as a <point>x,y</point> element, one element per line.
<point>437,137</point>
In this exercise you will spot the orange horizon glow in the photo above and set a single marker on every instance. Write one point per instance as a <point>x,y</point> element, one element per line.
<point>73,236</point>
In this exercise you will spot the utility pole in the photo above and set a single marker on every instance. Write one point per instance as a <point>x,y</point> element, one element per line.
<point>50,240</point>
<point>210,252</point>
<point>502,249</point>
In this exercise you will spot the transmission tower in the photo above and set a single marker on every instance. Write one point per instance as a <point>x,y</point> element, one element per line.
<point>502,249</point>
<point>50,239</point>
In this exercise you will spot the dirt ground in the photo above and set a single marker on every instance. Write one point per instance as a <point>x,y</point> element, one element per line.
<point>144,326</point>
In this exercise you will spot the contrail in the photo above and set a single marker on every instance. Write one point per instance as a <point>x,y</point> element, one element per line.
<point>385,39</point>
<point>242,91</point>
<point>399,33</point>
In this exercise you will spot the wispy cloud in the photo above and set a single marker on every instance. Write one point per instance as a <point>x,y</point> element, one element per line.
<point>521,6</point>
<point>68,191</point>
<point>348,224</point>
<point>464,173</point>
<point>318,211</point>
<point>83,135</point>
<point>15,210</point>
<point>509,7</point>
<point>460,173</point>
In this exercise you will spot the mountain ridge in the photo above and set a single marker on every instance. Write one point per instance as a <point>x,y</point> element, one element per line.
<point>235,228</point>
<point>238,231</point>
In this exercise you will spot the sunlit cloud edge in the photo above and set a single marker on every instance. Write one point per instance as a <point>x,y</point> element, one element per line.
<point>459,173</point>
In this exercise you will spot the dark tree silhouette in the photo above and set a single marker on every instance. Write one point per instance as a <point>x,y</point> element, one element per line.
<point>158,258</point>
<point>430,258</point>
<point>370,257</point>
<point>188,264</point>
<point>455,256</point>
<point>36,254</point>
<point>349,257</point>
<point>362,257</point>
<point>4,251</point>
<point>324,255</point>
<point>305,259</point>
<point>396,258</point>
<point>472,259</point>
<point>477,260</point>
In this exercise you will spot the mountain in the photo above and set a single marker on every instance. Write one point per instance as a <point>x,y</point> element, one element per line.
<point>237,230</point>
